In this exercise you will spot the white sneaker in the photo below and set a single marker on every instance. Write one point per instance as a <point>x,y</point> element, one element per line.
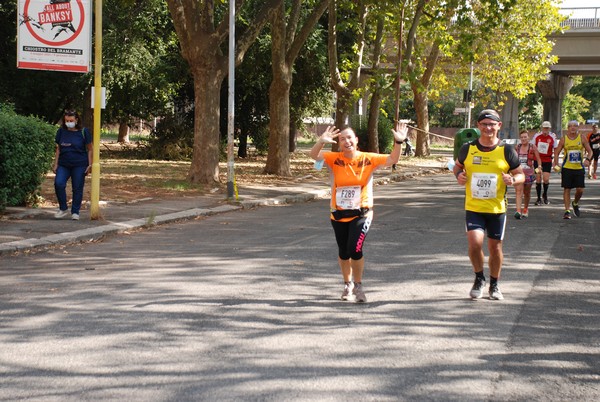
<point>61,214</point>
<point>347,293</point>
<point>495,293</point>
<point>75,217</point>
<point>359,294</point>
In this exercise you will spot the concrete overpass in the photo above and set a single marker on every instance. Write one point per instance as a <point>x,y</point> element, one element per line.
<point>578,51</point>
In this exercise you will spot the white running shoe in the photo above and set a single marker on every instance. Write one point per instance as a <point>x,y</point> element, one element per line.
<point>359,295</point>
<point>477,289</point>
<point>61,214</point>
<point>75,217</point>
<point>495,293</point>
<point>347,293</point>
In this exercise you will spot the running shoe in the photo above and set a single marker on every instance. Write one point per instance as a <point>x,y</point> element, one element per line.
<point>477,289</point>
<point>545,197</point>
<point>567,215</point>
<point>495,293</point>
<point>525,213</point>
<point>346,294</point>
<point>538,202</point>
<point>576,210</point>
<point>589,175</point>
<point>359,295</point>
<point>595,177</point>
<point>75,217</point>
<point>518,215</point>
<point>61,214</point>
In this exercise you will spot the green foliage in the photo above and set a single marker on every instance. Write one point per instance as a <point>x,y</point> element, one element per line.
<point>531,111</point>
<point>384,132</point>
<point>26,152</point>
<point>172,139</point>
<point>33,92</point>
<point>589,88</point>
<point>573,107</point>
<point>143,67</point>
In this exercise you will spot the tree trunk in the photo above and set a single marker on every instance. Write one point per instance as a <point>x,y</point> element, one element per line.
<point>286,43</point>
<point>422,146</point>
<point>88,113</point>
<point>293,135</point>
<point>278,159</point>
<point>243,144</point>
<point>123,132</point>
<point>202,39</point>
<point>372,129</point>
<point>207,92</point>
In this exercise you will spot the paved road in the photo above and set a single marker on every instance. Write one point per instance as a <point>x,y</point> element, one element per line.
<point>244,306</point>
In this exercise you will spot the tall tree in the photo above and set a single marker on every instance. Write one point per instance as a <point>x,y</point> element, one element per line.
<point>346,69</point>
<point>506,40</point>
<point>289,33</point>
<point>203,28</point>
<point>142,70</point>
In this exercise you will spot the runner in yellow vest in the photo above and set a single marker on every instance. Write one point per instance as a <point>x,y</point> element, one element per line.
<point>573,171</point>
<point>486,167</point>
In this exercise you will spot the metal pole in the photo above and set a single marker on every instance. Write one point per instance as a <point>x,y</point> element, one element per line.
<point>470,98</point>
<point>95,190</point>
<point>230,104</point>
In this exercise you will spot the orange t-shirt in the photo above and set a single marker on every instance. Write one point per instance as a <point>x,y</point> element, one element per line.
<point>352,179</point>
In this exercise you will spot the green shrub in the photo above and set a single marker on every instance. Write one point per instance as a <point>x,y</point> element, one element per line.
<point>26,154</point>
<point>384,133</point>
<point>172,139</point>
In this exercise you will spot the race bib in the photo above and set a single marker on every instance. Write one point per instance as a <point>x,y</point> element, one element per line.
<point>484,185</point>
<point>543,147</point>
<point>574,156</point>
<point>523,160</point>
<point>348,197</point>
<point>595,146</point>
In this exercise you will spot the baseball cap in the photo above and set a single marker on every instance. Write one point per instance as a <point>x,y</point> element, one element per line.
<point>547,124</point>
<point>488,114</point>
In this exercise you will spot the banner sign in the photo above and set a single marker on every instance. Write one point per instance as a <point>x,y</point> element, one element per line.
<point>54,35</point>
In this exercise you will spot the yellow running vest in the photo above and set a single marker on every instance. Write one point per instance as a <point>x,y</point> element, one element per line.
<point>573,158</point>
<point>485,189</point>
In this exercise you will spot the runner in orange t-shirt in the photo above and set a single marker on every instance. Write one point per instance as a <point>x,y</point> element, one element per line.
<point>351,207</point>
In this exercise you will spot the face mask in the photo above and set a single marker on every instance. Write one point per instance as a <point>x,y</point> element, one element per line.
<point>70,124</point>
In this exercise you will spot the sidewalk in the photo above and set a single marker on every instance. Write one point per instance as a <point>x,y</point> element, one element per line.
<point>26,229</point>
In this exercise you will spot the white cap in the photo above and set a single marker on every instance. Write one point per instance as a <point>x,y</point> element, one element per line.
<point>546,124</point>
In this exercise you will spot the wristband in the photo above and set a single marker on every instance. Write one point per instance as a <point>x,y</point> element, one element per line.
<point>398,142</point>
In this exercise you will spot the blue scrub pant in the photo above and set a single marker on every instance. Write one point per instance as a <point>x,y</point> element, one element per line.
<point>77,175</point>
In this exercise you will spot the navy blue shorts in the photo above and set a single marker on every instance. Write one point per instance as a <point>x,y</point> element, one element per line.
<point>493,224</point>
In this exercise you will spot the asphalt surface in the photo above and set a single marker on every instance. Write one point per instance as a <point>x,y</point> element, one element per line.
<point>30,229</point>
<point>244,305</point>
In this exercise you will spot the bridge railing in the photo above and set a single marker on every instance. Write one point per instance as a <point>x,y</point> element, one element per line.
<point>581,17</point>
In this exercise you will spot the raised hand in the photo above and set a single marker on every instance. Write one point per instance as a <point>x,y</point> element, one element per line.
<point>329,135</point>
<point>400,131</point>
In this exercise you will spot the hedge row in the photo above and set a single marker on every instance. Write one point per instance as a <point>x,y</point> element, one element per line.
<point>26,154</point>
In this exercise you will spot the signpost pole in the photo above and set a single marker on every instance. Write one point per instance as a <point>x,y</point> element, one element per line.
<point>95,190</point>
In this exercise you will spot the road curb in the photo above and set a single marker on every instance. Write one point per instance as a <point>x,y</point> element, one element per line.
<point>96,233</point>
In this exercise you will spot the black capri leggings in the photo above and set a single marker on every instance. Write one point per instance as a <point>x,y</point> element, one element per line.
<point>350,236</point>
